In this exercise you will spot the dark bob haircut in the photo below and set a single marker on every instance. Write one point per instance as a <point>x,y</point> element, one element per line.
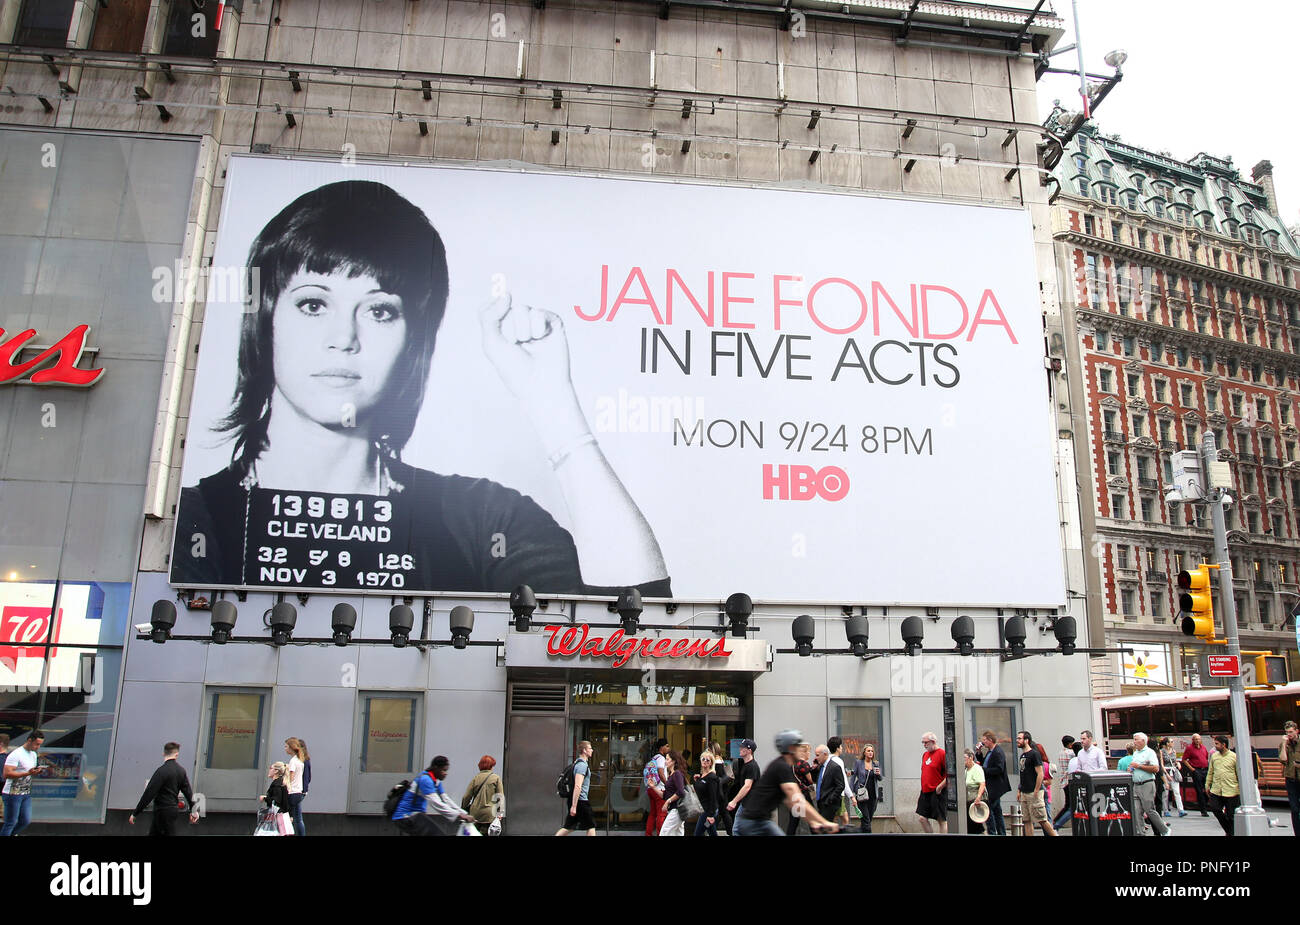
<point>362,228</point>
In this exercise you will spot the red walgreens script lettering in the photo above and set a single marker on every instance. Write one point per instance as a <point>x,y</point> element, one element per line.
<point>65,354</point>
<point>574,640</point>
<point>25,628</point>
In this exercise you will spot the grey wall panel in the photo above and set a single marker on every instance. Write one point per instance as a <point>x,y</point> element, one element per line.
<point>70,286</point>
<point>152,713</point>
<point>103,539</point>
<point>322,716</point>
<point>89,190</point>
<point>35,515</point>
<point>314,666</point>
<point>20,262</point>
<point>118,431</point>
<point>132,322</point>
<point>171,661</point>
<point>40,452</point>
<point>383,668</point>
<point>240,663</point>
<point>26,183</point>
<point>465,726</point>
<point>160,175</point>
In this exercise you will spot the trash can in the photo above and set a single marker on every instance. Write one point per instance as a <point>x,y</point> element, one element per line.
<point>1103,803</point>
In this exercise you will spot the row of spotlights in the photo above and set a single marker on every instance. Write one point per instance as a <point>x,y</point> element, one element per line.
<point>963,633</point>
<point>284,617</point>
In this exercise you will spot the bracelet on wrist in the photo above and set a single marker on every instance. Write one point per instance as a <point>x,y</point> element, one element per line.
<point>557,458</point>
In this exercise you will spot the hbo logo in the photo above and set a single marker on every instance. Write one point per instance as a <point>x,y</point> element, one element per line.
<point>803,483</point>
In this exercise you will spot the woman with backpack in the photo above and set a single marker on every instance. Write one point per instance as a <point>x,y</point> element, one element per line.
<point>674,793</point>
<point>481,799</point>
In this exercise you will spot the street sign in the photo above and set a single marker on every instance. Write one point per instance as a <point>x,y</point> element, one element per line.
<point>1224,666</point>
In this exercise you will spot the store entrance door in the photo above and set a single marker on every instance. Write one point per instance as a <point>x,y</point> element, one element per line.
<point>623,744</point>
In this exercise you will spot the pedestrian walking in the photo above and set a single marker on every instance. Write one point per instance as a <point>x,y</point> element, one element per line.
<point>4,753</point>
<point>654,776</point>
<point>865,781</point>
<point>578,800</point>
<point>1222,784</point>
<point>1069,763</point>
<point>835,745</point>
<point>1196,763</point>
<point>674,794</point>
<point>831,782</point>
<point>997,781</point>
<point>1126,762</point>
<point>803,773</point>
<point>976,788</point>
<point>169,781</point>
<point>933,801</point>
<point>1144,767</point>
<point>776,785</point>
<point>295,777</point>
<point>1048,775</point>
<point>746,778</point>
<point>1173,777</point>
<point>1032,807</point>
<point>706,788</point>
<point>484,798</point>
<point>725,780</point>
<point>1091,757</point>
<point>1288,752</point>
<point>21,764</point>
<point>425,809</point>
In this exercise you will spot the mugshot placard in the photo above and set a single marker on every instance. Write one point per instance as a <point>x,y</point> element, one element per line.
<point>455,380</point>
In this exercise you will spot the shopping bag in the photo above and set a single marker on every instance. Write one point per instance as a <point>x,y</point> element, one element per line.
<point>495,827</point>
<point>284,822</point>
<point>266,824</point>
<point>468,828</point>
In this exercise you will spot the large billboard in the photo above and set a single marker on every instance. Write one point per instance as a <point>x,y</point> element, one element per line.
<point>432,379</point>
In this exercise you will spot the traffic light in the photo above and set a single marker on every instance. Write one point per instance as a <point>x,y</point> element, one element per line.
<point>1196,602</point>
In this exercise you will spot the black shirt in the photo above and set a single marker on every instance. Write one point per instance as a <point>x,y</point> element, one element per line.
<point>465,534</point>
<point>167,782</point>
<point>1030,762</point>
<point>709,793</point>
<point>767,794</point>
<point>748,770</point>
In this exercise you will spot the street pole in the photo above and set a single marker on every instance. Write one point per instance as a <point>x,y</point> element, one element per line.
<point>1250,817</point>
<point>1083,79</point>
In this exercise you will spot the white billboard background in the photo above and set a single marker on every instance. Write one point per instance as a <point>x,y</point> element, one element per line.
<point>973,523</point>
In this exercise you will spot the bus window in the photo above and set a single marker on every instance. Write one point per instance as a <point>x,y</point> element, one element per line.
<point>1139,720</point>
<point>1162,722</point>
<point>1214,718</point>
<point>1272,713</point>
<point>1185,720</point>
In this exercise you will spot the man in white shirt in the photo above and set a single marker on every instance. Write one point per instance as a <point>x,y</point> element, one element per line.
<point>20,764</point>
<point>1091,757</point>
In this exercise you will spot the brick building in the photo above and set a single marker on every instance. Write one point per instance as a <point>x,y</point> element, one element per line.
<point>1180,281</point>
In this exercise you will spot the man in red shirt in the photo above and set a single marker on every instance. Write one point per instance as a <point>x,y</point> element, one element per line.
<point>933,803</point>
<point>1196,760</point>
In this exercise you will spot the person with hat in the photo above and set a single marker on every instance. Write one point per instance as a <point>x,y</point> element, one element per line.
<point>747,777</point>
<point>778,784</point>
<point>977,809</point>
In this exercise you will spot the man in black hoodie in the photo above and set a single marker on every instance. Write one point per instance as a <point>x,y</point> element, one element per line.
<point>167,783</point>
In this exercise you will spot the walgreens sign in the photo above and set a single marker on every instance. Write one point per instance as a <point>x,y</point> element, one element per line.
<point>577,640</point>
<point>53,365</point>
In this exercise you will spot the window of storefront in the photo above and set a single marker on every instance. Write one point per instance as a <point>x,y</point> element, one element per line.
<point>120,26</point>
<point>193,29</point>
<point>60,665</point>
<point>235,730</point>
<point>866,722</point>
<point>388,727</point>
<point>1003,719</point>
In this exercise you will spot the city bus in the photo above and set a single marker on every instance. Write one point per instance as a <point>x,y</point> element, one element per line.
<point>1178,714</point>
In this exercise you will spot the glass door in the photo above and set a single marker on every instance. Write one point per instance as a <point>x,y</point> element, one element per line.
<point>631,744</point>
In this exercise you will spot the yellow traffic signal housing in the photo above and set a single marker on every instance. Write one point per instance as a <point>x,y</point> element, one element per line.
<point>1196,601</point>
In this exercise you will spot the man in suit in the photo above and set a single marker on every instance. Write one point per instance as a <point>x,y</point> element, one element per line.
<point>996,782</point>
<point>831,781</point>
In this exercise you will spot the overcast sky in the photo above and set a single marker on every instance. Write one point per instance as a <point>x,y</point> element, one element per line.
<point>1200,76</point>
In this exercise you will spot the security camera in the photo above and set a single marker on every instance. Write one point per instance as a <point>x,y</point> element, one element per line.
<point>462,624</point>
<point>803,629</point>
<point>224,614</point>
<point>856,631</point>
<point>1013,632</point>
<point>1227,501</point>
<point>400,620</point>
<point>739,608</point>
<point>162,620</point>
<point>1066,632</point>
<point>522,604</point>
<point>913,634</point>
<point>1173,496</point>
<point>284,616</point>
<point>963,633</point>
<point>629,609</point>
<point>343,620</point>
